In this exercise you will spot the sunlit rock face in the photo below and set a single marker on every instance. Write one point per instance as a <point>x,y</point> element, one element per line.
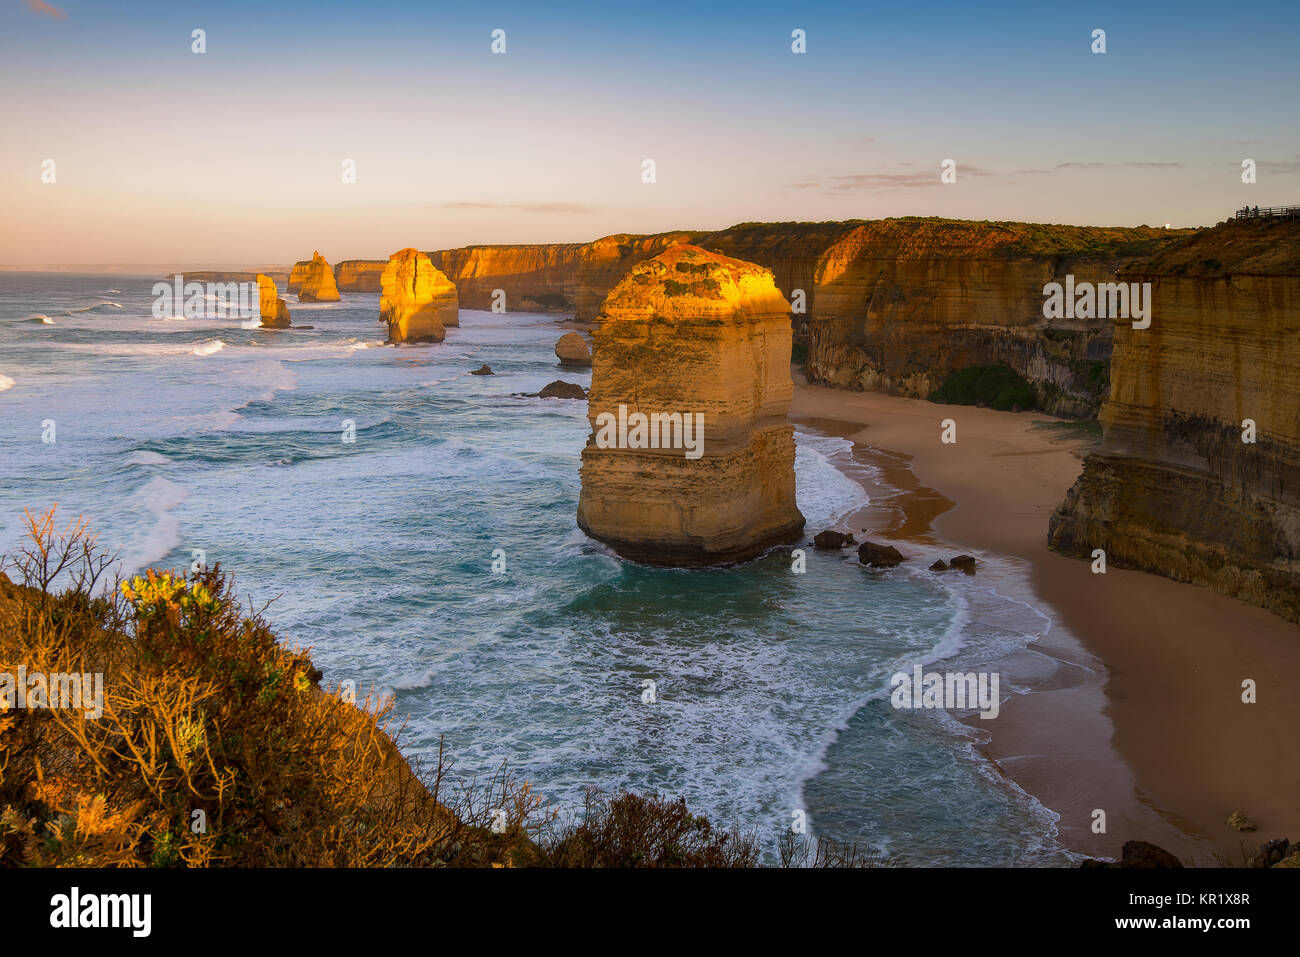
<point>1177,487</point>
<point>691,460</point>
<point>359,275</point>
<point>313,280</point>
<point>274,310</point>
<point>416,300</point>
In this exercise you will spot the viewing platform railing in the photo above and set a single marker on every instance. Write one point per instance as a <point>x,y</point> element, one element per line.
<point>1268,212</point>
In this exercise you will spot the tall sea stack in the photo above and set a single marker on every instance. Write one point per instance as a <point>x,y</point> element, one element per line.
<point>313,280</point>
<point>417,301</point>
<point>691,461</point>
<point>1198,476</point>
<point>274,311</point>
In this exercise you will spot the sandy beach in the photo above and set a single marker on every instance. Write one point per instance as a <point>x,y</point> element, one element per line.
<point>1136,708</point>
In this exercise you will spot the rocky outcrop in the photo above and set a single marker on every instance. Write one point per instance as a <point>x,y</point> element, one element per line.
<point>1178,487</point>
<point>313,280</point>
<point>1139,854</point>
<point>274,310</point>
<point>875,555</point>
<point>892,305</point>
<point>691,460</point>
<point>417,301</point>
<point>572,350</point>
<point>831,539</point>
<point>359,275</point>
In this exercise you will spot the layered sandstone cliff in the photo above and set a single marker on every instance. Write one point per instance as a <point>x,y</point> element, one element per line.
<point>273,309</point>
<point>359,275</point>
<point>313,280</point>
<point>691,461</point>
<point>1175,488</point>
<point>417,301</point>
<point>894,305</point>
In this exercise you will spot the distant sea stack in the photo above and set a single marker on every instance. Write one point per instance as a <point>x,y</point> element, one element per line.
<point>274,310</point>
<point>359,275</point>
<point>313,280</point>
<point>1177,487</point>
<point>686,340</point>
<point>417,301</point>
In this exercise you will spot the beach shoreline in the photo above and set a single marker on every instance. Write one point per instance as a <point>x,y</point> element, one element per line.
<point>1135,707</point>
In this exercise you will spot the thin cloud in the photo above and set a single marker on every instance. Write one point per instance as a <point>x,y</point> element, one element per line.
<point>526,207</point>
<point>920,178</point>
<point>1280,166</point>
<point>1079,165</point>
<point>40,6</point>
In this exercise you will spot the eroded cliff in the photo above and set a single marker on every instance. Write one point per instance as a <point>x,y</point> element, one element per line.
<point>892,305</point>
<point>273,309</point>
<point>1178,487</point>
<point>359,275</point>
<point>691,461</point>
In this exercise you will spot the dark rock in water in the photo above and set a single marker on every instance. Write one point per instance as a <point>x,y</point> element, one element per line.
<point>484,369</point>
<point>1139,854</point>
<point>1271,852</point>
<point>965,562</point>
<point>939,566</point>
<point>879,556</point>
<point>560,389</point>
<point>832,539</point>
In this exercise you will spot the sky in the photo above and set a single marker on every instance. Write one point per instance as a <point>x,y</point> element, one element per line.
<point>236,155</point>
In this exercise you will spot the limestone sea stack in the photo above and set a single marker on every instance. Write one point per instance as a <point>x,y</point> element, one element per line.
<point>313,280</point>
<point>572,350</point>
<point>274,310</point>
<point>691,460</point>
<point>417,301</point>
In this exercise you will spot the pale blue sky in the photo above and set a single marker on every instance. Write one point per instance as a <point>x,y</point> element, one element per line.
<point>235,155</point>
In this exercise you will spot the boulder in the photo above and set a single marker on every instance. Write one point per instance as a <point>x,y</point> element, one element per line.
<point>831,539</point>
<point>1137,854</point>
<point>939,566</point>
<point>572,350</point>
<point>1238,821</point>
<point>879,556</point>
<point>484,369</point>
<point>965,562</point>
<point>417,302</point>
<point>561,390</point>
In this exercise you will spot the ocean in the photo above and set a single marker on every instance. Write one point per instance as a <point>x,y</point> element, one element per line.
<point>177,435</point>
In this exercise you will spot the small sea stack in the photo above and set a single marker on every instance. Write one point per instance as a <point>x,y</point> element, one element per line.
<point>417,301</point>
<point>572,350</point>
<point>313,280</point>
<point>691,460</point>
<point>274,310</point>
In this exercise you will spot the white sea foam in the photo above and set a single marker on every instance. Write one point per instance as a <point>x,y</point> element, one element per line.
<point>147,458</point>
<point>6,383</point>
<point>209,348</point>
<point>160,531</point>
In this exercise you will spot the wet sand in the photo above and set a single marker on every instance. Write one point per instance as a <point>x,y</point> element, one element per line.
<point>1136,708</point>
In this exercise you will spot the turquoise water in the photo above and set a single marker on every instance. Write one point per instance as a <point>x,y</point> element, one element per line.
<point>181,434</point>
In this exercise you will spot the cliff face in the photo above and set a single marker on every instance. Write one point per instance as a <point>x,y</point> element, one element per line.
<point>691,461</point>
<point>417,301</point>
<point>274,310</point>
<point>891,305</point>
<point>1175,489</point>
<point>569,277</point>
<point>313,280</point>
<point>359,275</point>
